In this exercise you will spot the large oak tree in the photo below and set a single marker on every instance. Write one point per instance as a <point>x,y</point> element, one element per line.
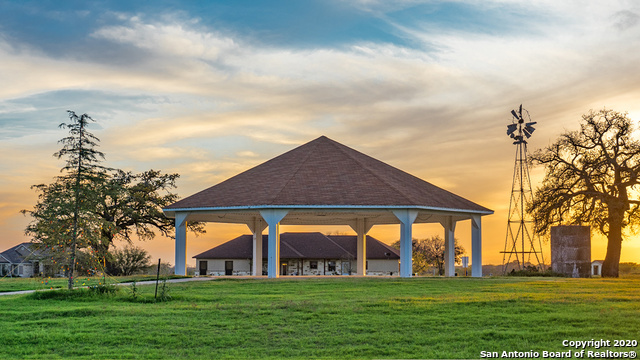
<point>591,178</point>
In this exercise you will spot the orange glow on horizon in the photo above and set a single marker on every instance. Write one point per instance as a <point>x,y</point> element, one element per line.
<point>493,234</point>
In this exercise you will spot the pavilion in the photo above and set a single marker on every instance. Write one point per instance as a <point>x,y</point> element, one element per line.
<point>326,183</point>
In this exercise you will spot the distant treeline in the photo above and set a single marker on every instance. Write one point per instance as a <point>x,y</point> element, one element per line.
<point>626,268</point>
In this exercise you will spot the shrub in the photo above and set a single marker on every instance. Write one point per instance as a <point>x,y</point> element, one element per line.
<point>75,294</point>
<point>128,261</point>
<point>103,289</point>
<point>164,292</point>
<point>534,271</point>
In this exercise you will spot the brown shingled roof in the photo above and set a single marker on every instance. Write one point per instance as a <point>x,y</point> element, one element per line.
<point>375,249</point>
<point>310,245</point>
<point>324,172</point>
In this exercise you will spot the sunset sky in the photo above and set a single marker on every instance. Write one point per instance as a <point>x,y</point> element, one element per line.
<point>209,89</point>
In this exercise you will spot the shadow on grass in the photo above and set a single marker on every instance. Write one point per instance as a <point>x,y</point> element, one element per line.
<point>98,292</point>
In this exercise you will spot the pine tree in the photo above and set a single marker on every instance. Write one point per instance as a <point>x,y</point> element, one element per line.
<point>81,171</point>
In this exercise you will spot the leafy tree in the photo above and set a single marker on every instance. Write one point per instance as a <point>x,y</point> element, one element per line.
<point>91,206</point>
<point>128,261</point>
<point>430,252</point>
<point>591,175</point>
<point>131,205</point>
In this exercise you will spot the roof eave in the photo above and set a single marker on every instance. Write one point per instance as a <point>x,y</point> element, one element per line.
<point>6,258</point>
<point>170,212</point>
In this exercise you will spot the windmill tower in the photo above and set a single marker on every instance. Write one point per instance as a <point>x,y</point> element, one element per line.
<point>520,247</point>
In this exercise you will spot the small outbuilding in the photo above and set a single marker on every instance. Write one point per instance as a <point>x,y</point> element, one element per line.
<point>310,253</point>
<point>571,250</point>
<point>596,267</point>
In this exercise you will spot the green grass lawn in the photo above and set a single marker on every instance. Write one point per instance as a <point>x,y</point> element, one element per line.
<point>324,318</point>
<point>37,283</point>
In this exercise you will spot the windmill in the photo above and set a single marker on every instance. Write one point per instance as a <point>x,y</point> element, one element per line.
<point>520,246</point>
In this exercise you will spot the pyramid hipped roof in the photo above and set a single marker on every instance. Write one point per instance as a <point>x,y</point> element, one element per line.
<point>325,174</point>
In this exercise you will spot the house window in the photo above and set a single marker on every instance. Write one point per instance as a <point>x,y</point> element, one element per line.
<point>331,266</point>
<point>367,265</point>
<point>313,265</point>
<point>20,271</point>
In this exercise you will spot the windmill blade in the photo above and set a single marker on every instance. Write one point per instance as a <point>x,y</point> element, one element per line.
<point>515,115</point>
<point>520,111</point>
<point>529,129</point>
<point>511,128</point>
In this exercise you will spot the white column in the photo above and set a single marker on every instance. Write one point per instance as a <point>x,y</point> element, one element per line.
<point>257,226</point>
<point>361,226</point>
<point>476,246</point>
<point>273,218</point>
<point>406,217</point>
<point>181,244</point>
<point>361,262</point>
<point>257,253</point>
<point>449,246</point>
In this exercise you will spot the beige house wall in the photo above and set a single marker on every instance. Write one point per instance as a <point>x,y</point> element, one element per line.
<point>216,267</point>
<point>243,267</point>
<point>383,267</point>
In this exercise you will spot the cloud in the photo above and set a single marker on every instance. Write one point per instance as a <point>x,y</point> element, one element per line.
<point>246,153</point>
<point>364,87</point>
<point>625,19</point>
<point>172,39</point>
<point>462,90</point>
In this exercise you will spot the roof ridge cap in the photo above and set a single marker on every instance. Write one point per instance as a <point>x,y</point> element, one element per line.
<point>373,172</point>
<point>295,172</point>
<point>338,245</point>
<point>391,185</point>
<point>282,241</point>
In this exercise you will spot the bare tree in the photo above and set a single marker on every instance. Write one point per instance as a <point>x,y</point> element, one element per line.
<point>590,177</point>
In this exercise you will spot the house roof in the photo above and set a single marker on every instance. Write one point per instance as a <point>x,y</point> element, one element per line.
<point>20,253</point>
<point>375,248</point>
<point>326,173</point>
<point>310,245</point>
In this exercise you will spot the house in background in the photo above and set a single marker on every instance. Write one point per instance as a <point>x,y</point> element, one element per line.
<point>22,260</point>
<point>596,267</point>
<point>309,253</point>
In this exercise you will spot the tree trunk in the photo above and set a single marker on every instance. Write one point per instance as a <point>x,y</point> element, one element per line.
<point>614,247</point>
